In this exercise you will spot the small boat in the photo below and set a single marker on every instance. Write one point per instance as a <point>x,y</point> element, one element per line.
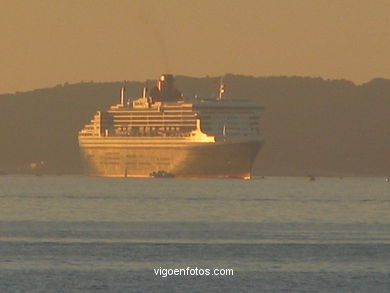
<point>162,174</point>
<point>388,179</point>
<point>310,178</point>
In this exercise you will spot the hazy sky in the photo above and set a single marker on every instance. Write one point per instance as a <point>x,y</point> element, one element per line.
<point>47,42</point>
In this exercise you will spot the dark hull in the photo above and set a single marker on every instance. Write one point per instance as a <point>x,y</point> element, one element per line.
<point>224,159</point>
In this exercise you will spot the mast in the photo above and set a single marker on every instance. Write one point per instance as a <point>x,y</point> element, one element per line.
<point>221,88</point>
<point>123,90</point>
<point>122,95</point>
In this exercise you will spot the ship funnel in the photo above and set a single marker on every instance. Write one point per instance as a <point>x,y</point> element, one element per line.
<point>165,82</point>
<point>165,90</point>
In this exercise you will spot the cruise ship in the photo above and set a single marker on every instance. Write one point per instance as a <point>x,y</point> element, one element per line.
<point>163,133</point>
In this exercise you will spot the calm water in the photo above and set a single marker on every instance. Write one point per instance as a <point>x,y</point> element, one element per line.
<point>81,234</point>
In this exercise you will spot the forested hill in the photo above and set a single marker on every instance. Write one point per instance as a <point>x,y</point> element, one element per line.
<point>312,126</point>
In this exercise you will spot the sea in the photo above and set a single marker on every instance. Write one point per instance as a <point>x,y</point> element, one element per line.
<point>272,234</point>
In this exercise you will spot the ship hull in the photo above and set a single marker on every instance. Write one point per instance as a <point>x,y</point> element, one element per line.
<point>121,159</point>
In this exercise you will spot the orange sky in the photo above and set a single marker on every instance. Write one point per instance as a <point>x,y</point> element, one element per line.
<point>46,42</point>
